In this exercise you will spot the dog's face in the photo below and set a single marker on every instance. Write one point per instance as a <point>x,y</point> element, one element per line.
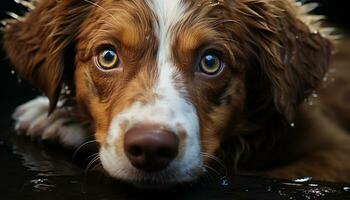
<point>158,68</point>
<point>165,82</point>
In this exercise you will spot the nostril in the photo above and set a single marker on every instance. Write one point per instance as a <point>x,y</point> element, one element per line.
<point>135,151</point>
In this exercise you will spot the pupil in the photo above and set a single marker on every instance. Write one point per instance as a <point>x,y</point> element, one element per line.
<point>210,61</point>
<point>109,56</point>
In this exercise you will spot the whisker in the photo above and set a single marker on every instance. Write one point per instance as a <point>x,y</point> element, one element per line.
<point>99,164</point>
<point>93,161</point>
<point>218,174</point>
<point>93,155</point>
<point>81,146</point>
<point>216,159</point>
<point>208,176</point>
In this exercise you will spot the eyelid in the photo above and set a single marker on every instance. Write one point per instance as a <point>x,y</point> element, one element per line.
<point>105,46</point>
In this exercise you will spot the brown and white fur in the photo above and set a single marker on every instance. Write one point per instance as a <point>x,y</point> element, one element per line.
<point>274,55</point>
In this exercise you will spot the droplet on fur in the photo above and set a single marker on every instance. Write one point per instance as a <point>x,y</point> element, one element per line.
<point>214,3</point>
<point>314,95</point>
<point>292,125</point>
<point>13,72</point>
<point>346,189</point>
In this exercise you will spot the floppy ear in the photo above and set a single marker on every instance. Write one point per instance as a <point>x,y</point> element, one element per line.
<point>289,47</point>
<point>38,43</point>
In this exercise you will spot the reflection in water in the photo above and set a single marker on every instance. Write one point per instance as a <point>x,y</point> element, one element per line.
<point>40,161</point>
<point>33,170</point>
<point>42,185</point>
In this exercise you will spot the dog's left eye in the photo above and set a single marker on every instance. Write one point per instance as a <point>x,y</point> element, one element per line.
<point>108,59</point>
<point>210,64</point>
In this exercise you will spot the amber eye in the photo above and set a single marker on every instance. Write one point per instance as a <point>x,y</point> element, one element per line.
<point>210,64</point>
<point>108,59</point>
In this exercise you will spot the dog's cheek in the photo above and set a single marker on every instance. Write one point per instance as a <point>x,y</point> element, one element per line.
<point>88,100</point>
<point>221,118</point>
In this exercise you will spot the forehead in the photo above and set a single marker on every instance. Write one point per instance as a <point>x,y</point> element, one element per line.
<point>142,17</point>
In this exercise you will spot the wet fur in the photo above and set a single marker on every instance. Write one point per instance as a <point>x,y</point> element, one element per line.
<point>278,56</point>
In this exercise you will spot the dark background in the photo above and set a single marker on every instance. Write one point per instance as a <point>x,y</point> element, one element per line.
<point>15,176</point>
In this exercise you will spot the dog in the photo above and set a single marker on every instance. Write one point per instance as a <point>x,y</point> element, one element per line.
<point>172,89</point>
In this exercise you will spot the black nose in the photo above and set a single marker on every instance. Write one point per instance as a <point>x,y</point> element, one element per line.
<point>150,148</point>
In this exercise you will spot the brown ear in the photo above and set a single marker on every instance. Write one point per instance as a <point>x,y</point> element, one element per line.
<point>290,48</point>
<point>37,44</point>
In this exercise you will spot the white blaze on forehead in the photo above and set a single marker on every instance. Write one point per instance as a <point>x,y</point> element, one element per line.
<point>168,14</point>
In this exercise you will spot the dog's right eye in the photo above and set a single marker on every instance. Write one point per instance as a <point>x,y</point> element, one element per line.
<point>108,59</point>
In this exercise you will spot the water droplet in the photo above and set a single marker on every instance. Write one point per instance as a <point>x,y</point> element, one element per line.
<point>13,72</point>
<point>269,188</point>
<point>293,184</point>
<point>224,182</point>
<point>315,95</point>
<point>19,80</point>
<point>346,189</point>
<point>302,180</point>
<point>292,125</point>
<point>313,185</point>
<point>42,185</point>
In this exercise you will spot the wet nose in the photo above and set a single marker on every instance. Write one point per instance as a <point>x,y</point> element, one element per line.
<point>150,148</point>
